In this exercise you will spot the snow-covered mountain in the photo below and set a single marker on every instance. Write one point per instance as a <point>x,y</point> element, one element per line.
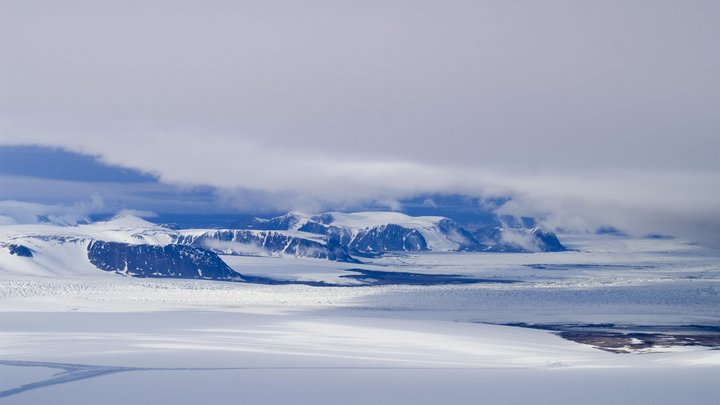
<point>176,261</point>
<point>264,243</point>
<point>125,245</point>
<point>377,232</point>
<point>132,246</point>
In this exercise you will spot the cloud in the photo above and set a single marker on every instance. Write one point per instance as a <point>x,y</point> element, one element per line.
<point>584,113</point>
<point>137,213</point>
<point>527,85</point>
<point>152,196</point>
<point>639,202</point>
<point>23,212</point>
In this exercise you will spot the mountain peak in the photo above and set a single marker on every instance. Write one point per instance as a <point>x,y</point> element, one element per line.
<point>127,220</point>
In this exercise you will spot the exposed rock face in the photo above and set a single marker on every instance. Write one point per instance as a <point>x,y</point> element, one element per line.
<point>412,233</point>
<point>20,250</point>
<point>548,241</point>
<point>465,240</point>
<point>388,237</point>
<point>382,238</point>
<point>498,239</point>
<point>265,242</point>
<point>175,261</point>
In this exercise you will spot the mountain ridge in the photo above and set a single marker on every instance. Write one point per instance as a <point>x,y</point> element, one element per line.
<point>129,245</point>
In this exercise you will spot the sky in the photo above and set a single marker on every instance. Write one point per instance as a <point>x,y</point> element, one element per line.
<point>586,113</point>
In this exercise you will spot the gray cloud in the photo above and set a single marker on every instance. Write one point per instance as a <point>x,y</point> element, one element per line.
<point>588,111</point>
<point>115,196</point>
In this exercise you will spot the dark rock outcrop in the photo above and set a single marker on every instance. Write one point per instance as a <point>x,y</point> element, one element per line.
<point>20,250</point>
<point>385,238</point>
<point>268,242</point>
<point>548,241</point>
<point>536,240</point>
<point>175,261</point>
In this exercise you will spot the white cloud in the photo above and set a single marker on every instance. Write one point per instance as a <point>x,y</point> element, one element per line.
<point>24,212</point>
<point>266,179</point>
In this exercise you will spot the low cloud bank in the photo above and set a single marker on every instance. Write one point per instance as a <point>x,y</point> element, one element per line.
<point>263,179</point>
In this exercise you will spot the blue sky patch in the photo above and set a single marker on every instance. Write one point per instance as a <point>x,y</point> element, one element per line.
<point>58,164</point>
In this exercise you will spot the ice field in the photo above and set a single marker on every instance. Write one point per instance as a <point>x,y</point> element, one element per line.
<point>95,336</point>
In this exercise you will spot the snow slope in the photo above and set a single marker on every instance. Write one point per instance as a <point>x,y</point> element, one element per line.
<point>73,338</point>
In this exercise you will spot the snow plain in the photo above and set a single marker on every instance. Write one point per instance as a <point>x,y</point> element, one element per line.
<point>84,337</point>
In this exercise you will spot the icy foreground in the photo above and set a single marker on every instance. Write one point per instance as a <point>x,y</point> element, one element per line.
<point>80,336</point>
